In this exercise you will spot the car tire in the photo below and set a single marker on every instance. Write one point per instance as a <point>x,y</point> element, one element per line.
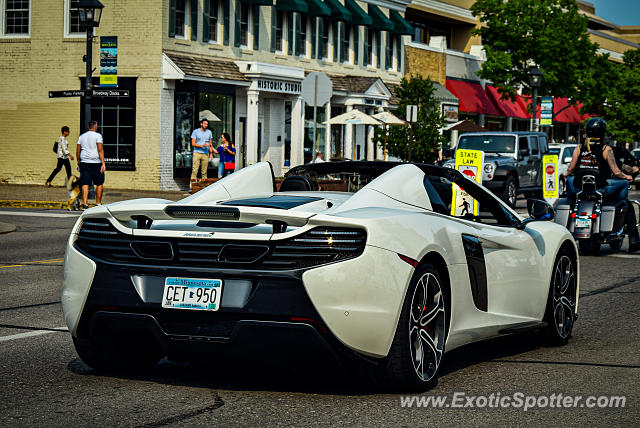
<point>510,192</point>
<point>589,247</point>
<point>118,356</point>
<point>560,312</point>
<point>418,344</point>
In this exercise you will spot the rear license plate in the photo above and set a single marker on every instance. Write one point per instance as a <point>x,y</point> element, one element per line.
<point>192,293</point>
<point>583,223</point>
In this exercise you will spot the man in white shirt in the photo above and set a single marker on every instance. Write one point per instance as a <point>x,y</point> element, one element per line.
<point>90,156</point>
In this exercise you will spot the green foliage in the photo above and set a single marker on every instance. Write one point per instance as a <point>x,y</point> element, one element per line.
<point>622,108</point>
<point>427,138</point>
<point>548,33</point>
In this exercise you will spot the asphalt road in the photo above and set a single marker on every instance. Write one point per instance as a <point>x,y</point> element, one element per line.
<point>45,384</point>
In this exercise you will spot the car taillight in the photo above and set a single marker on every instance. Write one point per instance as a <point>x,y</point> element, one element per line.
<point>574,215</point>
<point>594,215</point>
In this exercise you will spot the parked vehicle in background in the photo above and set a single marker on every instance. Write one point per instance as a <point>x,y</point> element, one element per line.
<point>564,152</point>
<point>512,161</point>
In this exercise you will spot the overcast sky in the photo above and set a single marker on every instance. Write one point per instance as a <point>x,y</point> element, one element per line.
<point>620,12</point>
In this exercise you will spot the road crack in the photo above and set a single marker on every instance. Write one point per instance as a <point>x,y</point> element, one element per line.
<point>217,403</point>
<point>609,287</point>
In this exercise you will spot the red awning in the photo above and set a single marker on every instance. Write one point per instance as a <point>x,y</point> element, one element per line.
<point>568,115</point>
<point>472,97</point>
<point>508,107</point>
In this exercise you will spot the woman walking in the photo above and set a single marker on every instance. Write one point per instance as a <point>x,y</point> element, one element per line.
<point>63,156</point>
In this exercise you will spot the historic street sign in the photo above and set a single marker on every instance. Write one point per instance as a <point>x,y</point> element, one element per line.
<point>109,92</point>
<point>71,93</point>
<point>91,92</point>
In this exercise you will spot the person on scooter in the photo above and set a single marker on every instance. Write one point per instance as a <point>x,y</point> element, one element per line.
<point>597,158</point>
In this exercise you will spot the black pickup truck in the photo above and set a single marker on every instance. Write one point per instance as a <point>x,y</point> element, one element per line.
<point>512,161</point>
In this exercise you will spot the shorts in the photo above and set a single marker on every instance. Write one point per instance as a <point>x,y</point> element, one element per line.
<point>90,172</point>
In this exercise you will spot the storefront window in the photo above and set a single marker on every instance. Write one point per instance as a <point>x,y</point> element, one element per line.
<point>192,105</point>
<point>116,117</point>
<point>184,126</point>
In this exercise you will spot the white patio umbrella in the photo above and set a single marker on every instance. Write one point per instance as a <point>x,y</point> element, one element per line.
<point>388,118</point>
<point>209,115</point>
<point>353,117</point>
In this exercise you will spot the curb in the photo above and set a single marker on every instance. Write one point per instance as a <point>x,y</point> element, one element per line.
<point>56,205</point>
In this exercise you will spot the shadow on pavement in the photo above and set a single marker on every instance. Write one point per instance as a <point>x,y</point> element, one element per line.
<point>257,375</point>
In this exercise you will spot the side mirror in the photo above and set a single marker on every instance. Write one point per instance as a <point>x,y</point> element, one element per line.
<point>523,153</point>
<point>540,210</point>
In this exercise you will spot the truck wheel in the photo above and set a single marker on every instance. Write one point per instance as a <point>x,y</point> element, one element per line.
<point>510,192</point>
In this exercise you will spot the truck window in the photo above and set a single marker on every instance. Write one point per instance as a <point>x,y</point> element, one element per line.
<point>523,143</point>
<point>544,147</point>
<point>533,145</point>
<point>488,143</point>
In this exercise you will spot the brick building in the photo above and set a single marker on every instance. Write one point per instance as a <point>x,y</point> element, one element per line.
<point>239,63</point>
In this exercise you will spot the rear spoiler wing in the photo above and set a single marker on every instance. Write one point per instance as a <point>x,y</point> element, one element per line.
<point>256,215</point>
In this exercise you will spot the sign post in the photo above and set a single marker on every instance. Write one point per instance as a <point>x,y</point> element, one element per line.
<point>550,167</point>
<point>317,90</point>
<point>469,163</point>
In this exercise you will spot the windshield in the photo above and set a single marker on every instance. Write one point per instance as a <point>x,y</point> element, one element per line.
<point>488,143</point>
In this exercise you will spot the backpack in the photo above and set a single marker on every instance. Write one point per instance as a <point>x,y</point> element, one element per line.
<point>55,147</point>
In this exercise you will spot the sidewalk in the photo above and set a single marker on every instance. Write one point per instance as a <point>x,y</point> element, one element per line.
<point>36,196</point>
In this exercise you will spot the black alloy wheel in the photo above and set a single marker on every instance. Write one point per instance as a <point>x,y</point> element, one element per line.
<point>561,304</point>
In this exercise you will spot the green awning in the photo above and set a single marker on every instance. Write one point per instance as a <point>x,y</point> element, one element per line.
<point>259,2</point>
<point>380,21</point>
<point>317,8</point>
<point>338,11</point>
<point>401,26</point>
<point>292,6</point>
<point>358,16</point>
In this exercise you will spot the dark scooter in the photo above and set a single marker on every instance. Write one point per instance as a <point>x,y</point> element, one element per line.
<point>592,220</point>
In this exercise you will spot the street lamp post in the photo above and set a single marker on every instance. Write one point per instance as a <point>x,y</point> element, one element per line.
<point>89,13</point>
<point>535,76</point>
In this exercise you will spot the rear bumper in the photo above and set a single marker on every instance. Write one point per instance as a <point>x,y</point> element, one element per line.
<point>279,341</point>
<point>262,315</point>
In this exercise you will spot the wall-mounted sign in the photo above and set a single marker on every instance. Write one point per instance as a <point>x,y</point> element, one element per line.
<point>450,112</point>
<point>546,111</point>
<point>281,86</point>
<point>108,61</point>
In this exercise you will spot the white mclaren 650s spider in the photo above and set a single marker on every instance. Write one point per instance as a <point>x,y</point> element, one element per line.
<point>357,262</point>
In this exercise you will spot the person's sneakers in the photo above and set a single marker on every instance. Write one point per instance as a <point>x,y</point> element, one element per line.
<point>634,245</point>
<point>85,207</point>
